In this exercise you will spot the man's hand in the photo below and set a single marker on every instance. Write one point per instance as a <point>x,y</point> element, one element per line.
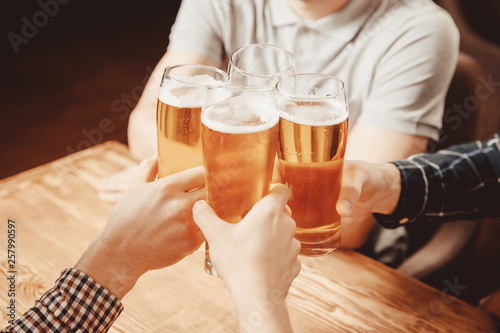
<point>151,227</point>
<point>368,188</point>
<point>257,258</point>
<point>375,145</point>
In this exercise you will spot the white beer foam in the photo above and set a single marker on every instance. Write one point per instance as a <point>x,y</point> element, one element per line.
<point>185,96</point>
<point>240,115</point>
<point>321,113</point>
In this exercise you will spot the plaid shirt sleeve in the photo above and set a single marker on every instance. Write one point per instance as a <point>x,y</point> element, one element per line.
<point>459,183</point>
<point>76,303</point>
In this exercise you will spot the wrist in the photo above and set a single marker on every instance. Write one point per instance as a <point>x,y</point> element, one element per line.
<point>255,287</point>
<point>270,309</point>
<point>101,266</point>
<point>247,295</point>
<point>390,190</point>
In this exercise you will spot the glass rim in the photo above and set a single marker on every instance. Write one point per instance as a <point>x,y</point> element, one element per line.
<point>234,87</point>
<point>311,97</point>
<point>263,45</point>
<point>192,84</point>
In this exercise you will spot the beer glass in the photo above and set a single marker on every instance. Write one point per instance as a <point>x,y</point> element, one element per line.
<point>260,65</point>
<point>239,138</point>
<point>182,92</point>
<point>313,134</point>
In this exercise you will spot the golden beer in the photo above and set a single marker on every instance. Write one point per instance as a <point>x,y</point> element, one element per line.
<point>239,169</point>
<point>178,116</point>
<point>179,138</point>
<point>311,162</point>
<point>313,137</point>
<point>239,139</point>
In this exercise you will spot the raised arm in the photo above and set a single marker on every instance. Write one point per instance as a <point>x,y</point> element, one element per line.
<point>458,183</point>
<point>404,104</point>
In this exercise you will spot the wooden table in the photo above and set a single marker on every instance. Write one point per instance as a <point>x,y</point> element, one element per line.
<point>57,213</point>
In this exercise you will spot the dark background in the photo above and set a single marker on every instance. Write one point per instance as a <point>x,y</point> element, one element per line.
<point>63,81</point>
<point>484,18</point>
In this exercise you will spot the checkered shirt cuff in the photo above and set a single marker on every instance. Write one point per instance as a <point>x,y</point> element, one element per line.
<point>76,303</point>
<point>413,186</point>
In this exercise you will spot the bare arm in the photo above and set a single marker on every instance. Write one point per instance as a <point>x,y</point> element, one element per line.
<point>376,145</point>
<point>142,123</point>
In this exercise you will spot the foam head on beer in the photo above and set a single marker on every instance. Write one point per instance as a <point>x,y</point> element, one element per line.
<point>314,113</point>
<point>186,91</point>
<point>239,114</point>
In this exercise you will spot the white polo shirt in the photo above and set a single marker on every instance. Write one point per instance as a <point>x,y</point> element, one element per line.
<point>397,57</point>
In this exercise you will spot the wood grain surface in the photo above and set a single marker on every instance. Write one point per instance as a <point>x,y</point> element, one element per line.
<point>57,214</point>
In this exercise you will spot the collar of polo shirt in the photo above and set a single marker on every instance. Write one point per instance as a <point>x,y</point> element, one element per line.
<point>342,25</point>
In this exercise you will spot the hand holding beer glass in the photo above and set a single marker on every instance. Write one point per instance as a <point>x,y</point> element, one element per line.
<point>182,92</point>
<point>313,135</point>
<point>239,139</point>
<point>261,65</point>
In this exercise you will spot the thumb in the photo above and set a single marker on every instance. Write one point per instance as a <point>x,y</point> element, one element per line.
<point>145,172</point>
<point>350,192</point>
<point>349,196</point>
<point>148,169</point>
<point>209,223</point>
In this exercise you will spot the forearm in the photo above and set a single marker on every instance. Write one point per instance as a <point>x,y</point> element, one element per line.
<point>141,132</point>
<point>142,123</point>
<point>373,144</point>
<point>99,263</point>
<point>75,303</point>
<point>461,182</point>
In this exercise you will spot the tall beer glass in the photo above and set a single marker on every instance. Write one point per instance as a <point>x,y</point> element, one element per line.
<point>313,134</point>
<point>182,92</point>
<point>240,137</point>
<point>260,65</point>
